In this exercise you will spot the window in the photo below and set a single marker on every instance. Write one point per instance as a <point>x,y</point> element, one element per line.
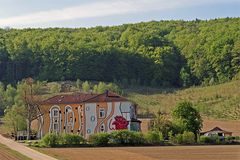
<point>92,118</point>
<point>55,112</point>
<point>89,131</point>
<point>102,128</point>
<point>101,113</point>
<point>69,119</point>
<point>55,119</point>
<point>55,126</point>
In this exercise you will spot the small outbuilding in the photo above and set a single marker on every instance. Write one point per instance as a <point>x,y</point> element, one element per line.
<point>217,132</point>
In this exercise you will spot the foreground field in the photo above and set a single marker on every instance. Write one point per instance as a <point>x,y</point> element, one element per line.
<point>146,153</point>
<point>8,154</point>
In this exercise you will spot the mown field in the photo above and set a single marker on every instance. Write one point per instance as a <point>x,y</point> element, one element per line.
<point>218,101</point>
<point>146,153</point>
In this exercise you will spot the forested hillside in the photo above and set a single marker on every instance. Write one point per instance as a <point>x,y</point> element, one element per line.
<point>165,53</point>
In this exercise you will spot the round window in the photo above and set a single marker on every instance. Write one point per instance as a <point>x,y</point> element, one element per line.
<point>92,118</point>
<point>89,131</point>
<point>87,108</point>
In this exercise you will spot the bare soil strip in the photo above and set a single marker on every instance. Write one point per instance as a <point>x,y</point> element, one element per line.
<point>214,152</point>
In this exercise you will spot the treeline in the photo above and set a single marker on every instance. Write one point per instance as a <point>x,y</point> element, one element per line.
<point>165,53</point>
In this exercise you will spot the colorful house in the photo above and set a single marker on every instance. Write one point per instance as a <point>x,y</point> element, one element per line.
<point>86,114</point>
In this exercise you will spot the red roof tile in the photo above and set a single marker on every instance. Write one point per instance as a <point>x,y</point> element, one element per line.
<point>80,98</point>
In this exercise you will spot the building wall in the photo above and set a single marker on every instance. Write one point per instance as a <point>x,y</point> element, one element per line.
<point>146,124</point>
<point>85,119</point>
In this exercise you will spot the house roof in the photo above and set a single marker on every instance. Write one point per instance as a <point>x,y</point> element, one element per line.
<point>217,129</point>
<point>80,98</point>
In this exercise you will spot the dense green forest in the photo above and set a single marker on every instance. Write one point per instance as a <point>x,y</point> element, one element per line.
<point>165,53</point>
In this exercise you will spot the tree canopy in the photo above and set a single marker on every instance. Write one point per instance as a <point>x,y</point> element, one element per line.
<point>187,117</point>
<point>164,53</point>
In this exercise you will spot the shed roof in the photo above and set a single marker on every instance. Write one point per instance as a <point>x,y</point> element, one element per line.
<point>217,129</point>
<point>81,98</point>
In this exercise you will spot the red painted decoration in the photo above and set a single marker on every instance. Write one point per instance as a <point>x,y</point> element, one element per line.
<point>120,123</point>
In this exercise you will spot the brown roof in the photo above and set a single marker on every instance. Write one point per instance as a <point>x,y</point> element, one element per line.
<point>80,98</point>
<point>217,129</point>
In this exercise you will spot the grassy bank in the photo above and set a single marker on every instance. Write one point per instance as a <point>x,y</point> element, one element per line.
<point>11,154</point>
<point>217,101</point>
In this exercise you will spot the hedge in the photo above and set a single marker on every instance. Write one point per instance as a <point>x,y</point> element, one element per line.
<point>53,140</point>
<point>99,139</point>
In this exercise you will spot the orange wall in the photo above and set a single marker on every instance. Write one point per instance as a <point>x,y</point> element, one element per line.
<point>111,109</point>
<point>46,108</point>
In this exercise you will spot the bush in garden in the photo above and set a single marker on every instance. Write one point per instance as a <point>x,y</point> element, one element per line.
<point>229,139</point>
<point>178,139</point>
<point>188,137</point>
<point>99,139</point>
<point>205,140</point>
<point>209,139</point>
<point>185,138</point>
<point>170,136</point>
<point>125,137</point>
<point>51,140</point>
<point>71,139</point>
<point>154,137</point>
<point>137,138</point>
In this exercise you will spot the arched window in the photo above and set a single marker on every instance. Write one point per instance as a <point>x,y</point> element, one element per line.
<point>55,119</point>
<point>69,119</point>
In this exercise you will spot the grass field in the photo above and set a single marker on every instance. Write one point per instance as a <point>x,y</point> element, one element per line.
<point>146,153</point>
<point>8,154</point>
<point>219,101</point>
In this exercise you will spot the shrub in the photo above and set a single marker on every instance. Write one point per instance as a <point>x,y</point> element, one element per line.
<point>85,86</point>
<point>55,88</point>
<point>137,138</point>
<point>178,139</point>
<point>71,139</point>
<point>188,137</point>
<point>185,138</point>
<point>125,137</point>
<point>51,139</point>
<point>229,139</point>
<point>154,137</point>
<point>209,140</point>
<point>99,139</point>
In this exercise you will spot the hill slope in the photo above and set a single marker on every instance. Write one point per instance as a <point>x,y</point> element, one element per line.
<point>219,101</point>
<point>158,53</point>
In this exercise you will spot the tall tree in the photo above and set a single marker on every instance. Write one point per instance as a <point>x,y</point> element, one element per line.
<point>189,118</point>
<point>31,102</point>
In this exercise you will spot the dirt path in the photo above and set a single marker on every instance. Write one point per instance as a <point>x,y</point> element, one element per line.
<point>35,155</point>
